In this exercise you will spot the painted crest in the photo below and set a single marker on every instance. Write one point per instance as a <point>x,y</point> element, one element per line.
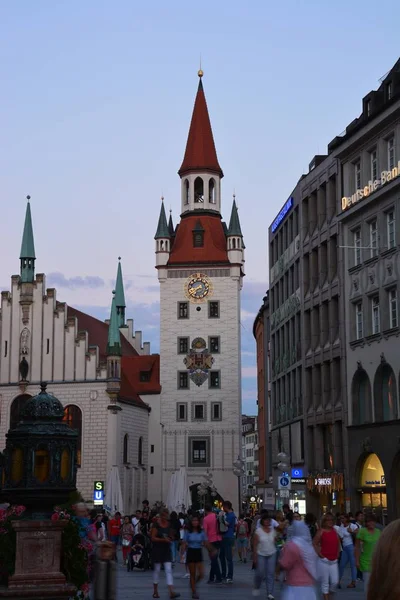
<point>199,361</point>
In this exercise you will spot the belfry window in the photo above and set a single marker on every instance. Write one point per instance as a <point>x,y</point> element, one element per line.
<point>211,191</point>
<point>186,191</point>
<point>199,190</point>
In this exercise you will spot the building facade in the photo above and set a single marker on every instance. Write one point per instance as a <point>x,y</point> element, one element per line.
<point>200,270</point>
<point>369,153</point>
<point>96,370</point>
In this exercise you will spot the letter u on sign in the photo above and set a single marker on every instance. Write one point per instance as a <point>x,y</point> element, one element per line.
<point>98,495</point>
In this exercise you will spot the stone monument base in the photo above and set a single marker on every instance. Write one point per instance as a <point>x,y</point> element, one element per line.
<point>37,573</point>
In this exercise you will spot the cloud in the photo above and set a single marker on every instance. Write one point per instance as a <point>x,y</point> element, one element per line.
<point>87,281</point>
<point>247,353</point>
<point>249,372</point>
<point>245,315</point>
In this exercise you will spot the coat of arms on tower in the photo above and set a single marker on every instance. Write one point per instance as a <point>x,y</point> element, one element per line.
<point>199,361</point>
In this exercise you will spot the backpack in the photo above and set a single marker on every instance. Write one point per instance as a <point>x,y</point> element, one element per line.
<point>221,522</point>
<point>242,528</point>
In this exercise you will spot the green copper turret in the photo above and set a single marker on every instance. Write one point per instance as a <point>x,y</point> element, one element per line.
<point>27,255</point>
<point>120,296</point>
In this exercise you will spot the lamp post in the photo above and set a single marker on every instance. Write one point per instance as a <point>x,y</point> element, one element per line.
<point>239,471</point>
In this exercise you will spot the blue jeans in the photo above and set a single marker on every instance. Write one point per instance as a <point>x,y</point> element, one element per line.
<point>265,570</point>
<point>225,556</point>
<point>215,571</point>
<point>174,550</point>
<point>348,557</point>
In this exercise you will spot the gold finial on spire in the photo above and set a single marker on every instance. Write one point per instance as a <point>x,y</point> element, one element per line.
<point>200,72</point>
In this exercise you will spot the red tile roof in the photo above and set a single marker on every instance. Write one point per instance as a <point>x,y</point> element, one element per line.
<point>200,154</point>
<point>98,333</point>
<point>214,249</point>
<point>133,366</point>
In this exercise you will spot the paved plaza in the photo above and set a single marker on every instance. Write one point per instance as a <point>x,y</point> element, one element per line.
<point>138,586</point>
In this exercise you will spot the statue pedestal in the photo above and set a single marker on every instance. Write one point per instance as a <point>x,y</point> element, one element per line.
<point>37,563</point>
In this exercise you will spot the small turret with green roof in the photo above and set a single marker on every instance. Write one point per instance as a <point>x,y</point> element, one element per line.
<point>234,223</point>
<point>120,296</point>
<point>162,227</point>
<point>114,336</point>
<point>27,255</point>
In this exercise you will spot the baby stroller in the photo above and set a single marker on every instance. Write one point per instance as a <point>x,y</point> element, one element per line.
<point>139,556</point>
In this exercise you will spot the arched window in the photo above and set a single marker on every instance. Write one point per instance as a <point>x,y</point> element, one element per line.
<point>140,451</point>
<point>125,449</point>
<point>186,191</point>
<point>234,243</point>
<point>238,243</point>
<point>161,245</point>
<point>17,405</point>
<point>211,191</point>
<point>73,418</point>
<point>199,190</point>
<point>361,398</point>
<point>385,394</point>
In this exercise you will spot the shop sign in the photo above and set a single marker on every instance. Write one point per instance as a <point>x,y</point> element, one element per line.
<point>299,480</point>
<point>323,481</point>
<point>386,177</point>
<point>296,472</point>
<point>269,498</point>
<point>287,207</point>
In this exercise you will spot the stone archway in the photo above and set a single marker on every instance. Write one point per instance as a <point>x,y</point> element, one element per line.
<point>372,482</point>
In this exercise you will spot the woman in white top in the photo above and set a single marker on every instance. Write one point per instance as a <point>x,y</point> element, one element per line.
<point>345,532</point>
<point>264,552</point>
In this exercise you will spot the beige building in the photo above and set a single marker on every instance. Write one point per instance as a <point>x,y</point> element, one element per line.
<point>105,378</point>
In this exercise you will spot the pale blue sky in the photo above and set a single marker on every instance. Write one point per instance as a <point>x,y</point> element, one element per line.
<point>95,108</point>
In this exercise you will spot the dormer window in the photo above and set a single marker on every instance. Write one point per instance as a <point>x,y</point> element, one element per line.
<point>368,107</point>
<point>199,190</point>
<point>389,90</point>
<point>198,236</point>
<point>144,376</point>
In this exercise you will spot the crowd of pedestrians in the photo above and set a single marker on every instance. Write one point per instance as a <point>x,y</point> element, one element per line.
<point>301,554</point>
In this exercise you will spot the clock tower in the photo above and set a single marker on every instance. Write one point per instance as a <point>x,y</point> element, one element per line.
<point>200,265</point>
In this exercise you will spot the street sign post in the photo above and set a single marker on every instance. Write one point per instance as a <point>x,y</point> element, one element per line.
<point>98,493</point>
<point>284,482</point>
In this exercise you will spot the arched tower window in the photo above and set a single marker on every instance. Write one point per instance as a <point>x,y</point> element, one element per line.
<point>361,398</point>
<point>234,243</point>
<point>211,191</point>
<point>73,418</point>
<point>125,449</point>
<point>140,451</point>
<point>161,245</point>
<point>199,190</point>
<point>17,405</point>
<point>385,394</point>
<point>186,191</point>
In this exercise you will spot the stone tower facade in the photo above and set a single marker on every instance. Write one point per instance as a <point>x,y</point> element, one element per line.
<point>200,267</point>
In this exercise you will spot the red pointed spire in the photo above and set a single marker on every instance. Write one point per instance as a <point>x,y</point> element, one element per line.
<point>200,153</point>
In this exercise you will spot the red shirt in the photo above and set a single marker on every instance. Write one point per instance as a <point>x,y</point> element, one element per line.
<point>115,526</point>
<point>330,544</point>
<point>210,527</point>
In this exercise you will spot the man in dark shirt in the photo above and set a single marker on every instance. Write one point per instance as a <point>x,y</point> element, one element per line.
<point>228,541</point>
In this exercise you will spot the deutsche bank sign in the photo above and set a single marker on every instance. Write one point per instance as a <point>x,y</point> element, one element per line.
<point>287,207</point>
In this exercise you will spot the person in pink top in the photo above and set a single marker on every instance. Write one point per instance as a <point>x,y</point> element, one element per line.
<point>299,561</point>
<point>210,526</point>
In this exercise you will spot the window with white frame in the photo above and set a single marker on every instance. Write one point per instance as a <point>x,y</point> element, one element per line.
<point>357,174</point>
<point>391,235</point>
<point>393,308</point>
<point>391,153</point>
<point>357,246</point>
<point>373,237</point>
<point>359,321</point>
<point>374,165</point>
<point>376,317</point>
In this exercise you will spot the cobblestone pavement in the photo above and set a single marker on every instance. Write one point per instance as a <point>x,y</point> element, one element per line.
<point>138,586</point>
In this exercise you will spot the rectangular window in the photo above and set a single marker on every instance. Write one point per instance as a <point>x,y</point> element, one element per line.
<point>183,345</point>
<point>151,470</point>
<point>376,318</point>
<point>359,321</point>
<point>373,237</point>
<point>144,376</point>
<point>391,229</point>
<point>152,448</point>
<point>357,246</point>
<point>181,411</point>
<point>213,310</point>
<point>393,308</point>
<point>198,412</point>
<point>183,380</point>
<point>216,411</point>
<point>389,90</point>
<point>199,452</point>
<point>214,345</point>
<point>183,310</point>
<point>215,379</point>
<point>198,239</point>
<point>357,174</point>
<point>5,349</point>
<point>391,153</point>
<point>374,165</point>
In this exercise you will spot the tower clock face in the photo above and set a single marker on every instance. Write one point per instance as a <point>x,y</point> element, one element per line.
<point>198,287</point>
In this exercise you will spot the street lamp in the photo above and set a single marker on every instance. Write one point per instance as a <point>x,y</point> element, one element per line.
<point>239,471</point>
<point>284,462</point>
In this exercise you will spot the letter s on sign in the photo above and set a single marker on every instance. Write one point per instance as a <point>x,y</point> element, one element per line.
<point>99,485</point>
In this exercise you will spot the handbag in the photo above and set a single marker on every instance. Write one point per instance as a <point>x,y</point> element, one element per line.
<point>126,542</point>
